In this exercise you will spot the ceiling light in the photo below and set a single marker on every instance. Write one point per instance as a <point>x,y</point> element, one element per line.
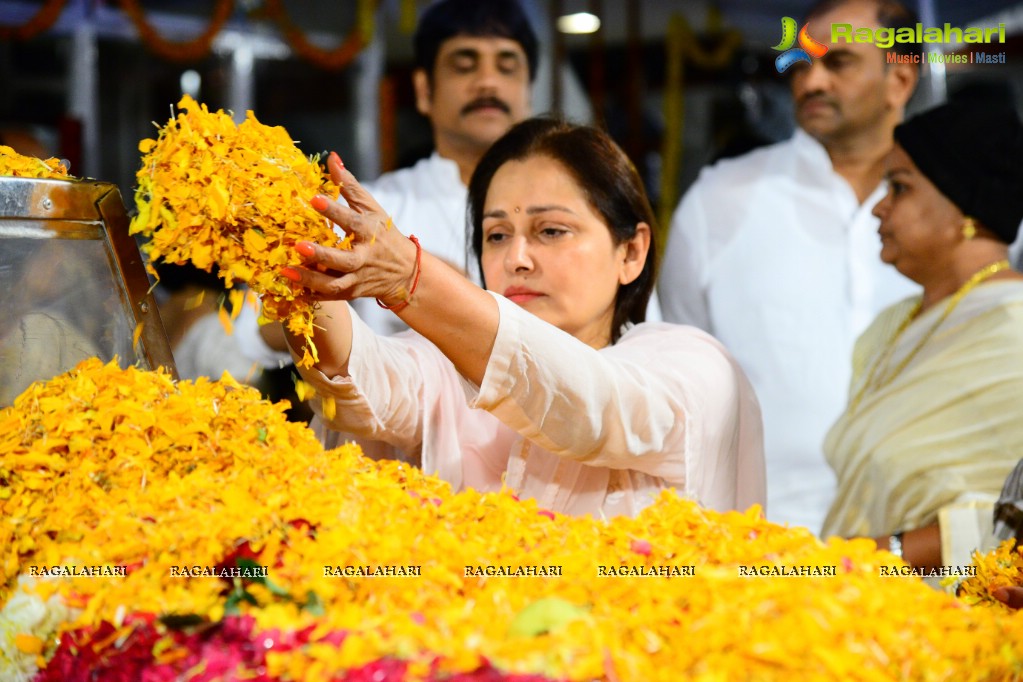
<point>580,22</point>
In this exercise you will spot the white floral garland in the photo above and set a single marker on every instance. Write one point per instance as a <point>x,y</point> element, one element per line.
<point>26,613</point>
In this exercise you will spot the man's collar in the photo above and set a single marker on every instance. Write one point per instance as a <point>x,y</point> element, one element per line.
<point>809,145</point>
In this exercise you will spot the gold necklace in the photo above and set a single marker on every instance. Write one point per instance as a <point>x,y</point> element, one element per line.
<point>878,378</point>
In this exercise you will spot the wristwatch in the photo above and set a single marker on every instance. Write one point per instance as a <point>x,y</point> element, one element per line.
<point>895,544</point>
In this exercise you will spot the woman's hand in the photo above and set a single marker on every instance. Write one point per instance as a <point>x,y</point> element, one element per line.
<point>1011,596</point>
<point>381,263</point>
<point>456,315</point>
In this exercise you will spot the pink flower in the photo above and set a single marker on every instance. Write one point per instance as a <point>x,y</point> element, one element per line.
<point>641,547</point>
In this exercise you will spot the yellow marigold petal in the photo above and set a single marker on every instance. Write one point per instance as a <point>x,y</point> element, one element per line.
<point>237,299</point>
<point>329,408</point>
<point>304,390</point>
<point>28,644</point>
<point>194,302</point>
<point>113,466</point>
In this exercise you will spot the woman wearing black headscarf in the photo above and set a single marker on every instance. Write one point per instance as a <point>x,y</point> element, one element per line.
<point>933,425</point>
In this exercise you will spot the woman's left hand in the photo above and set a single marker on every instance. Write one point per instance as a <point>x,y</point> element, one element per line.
<point>380,263</point>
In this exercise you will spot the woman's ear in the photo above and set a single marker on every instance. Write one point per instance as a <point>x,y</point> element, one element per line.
<point>634,254</point>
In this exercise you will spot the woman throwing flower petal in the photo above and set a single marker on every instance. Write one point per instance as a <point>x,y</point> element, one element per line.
<point>933,425</point>
<point>548,381</point>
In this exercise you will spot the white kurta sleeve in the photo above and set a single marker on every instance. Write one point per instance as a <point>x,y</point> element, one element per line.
<point>251,344</point>
<point>661,393</point>
<point>681,286</point>
<point>381,398</point>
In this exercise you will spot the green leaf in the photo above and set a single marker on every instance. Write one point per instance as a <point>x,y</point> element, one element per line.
<point>313,604</point>
<point>549,614</point>
<point>237,597</point>
<point>253,567</point>
<point>250,564</point>
<point>180,621</point>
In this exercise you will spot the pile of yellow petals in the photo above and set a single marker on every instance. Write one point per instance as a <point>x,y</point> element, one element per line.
<point>236,196</point>
<point>111,466</point>
<point>1002,567</point>
<point>16,165</point>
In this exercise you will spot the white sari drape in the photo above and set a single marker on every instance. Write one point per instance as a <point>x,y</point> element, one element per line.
<point>946,431</point>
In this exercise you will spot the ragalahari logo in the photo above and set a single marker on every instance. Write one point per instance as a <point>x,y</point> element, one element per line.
<point>808,50</point>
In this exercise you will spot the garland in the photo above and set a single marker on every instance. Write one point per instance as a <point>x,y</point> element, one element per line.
<point>188,51</point>
<point>334,59</point>
<point>45,18</point>
<point>199,47</point>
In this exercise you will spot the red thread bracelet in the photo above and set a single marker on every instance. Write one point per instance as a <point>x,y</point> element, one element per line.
<point>401,305</point>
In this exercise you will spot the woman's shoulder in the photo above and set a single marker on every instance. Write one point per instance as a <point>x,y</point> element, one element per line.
<point>684,357</point>
<point>659,329</point>
<point>667,337</point>
<point>1007,291</point>
<point>882,329</point>
<point>999,302</point>
<point>890,318</point>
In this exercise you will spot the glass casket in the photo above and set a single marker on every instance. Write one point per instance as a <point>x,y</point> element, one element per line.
<point>73,283</point>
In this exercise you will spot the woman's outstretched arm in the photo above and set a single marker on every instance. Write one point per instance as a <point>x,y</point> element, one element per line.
<point>429,296</point>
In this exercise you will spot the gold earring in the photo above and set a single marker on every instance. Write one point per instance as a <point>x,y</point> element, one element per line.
<point>969,228</point>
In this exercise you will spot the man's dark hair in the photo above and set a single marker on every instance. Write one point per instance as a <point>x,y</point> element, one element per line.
<point>890,14</point>
<point>446,19</point>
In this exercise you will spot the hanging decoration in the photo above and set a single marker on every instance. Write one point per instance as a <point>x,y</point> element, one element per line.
<point>333,59</point>
<point>598,69</point>
<point>683,46</point>
<point>407,17</point>
<point>188,51</point>
<point>45,18</point>
<point>199,47</point>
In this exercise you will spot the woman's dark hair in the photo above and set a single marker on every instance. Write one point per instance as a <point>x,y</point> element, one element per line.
<point>608,180</point>
<point>446,19</point>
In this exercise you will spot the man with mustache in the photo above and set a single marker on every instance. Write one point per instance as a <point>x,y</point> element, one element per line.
<point>776,252</point>
<point>475,61</point>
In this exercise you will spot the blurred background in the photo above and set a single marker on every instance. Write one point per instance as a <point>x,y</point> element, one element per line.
<point>678,83</point>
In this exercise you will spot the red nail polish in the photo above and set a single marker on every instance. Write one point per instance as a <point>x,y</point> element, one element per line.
<point>305,249</point>
<point>338,158</point>
<point>319,202</point>
<point>292,274</point>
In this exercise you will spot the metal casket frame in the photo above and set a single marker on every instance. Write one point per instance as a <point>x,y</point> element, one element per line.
<point>73,282</point>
